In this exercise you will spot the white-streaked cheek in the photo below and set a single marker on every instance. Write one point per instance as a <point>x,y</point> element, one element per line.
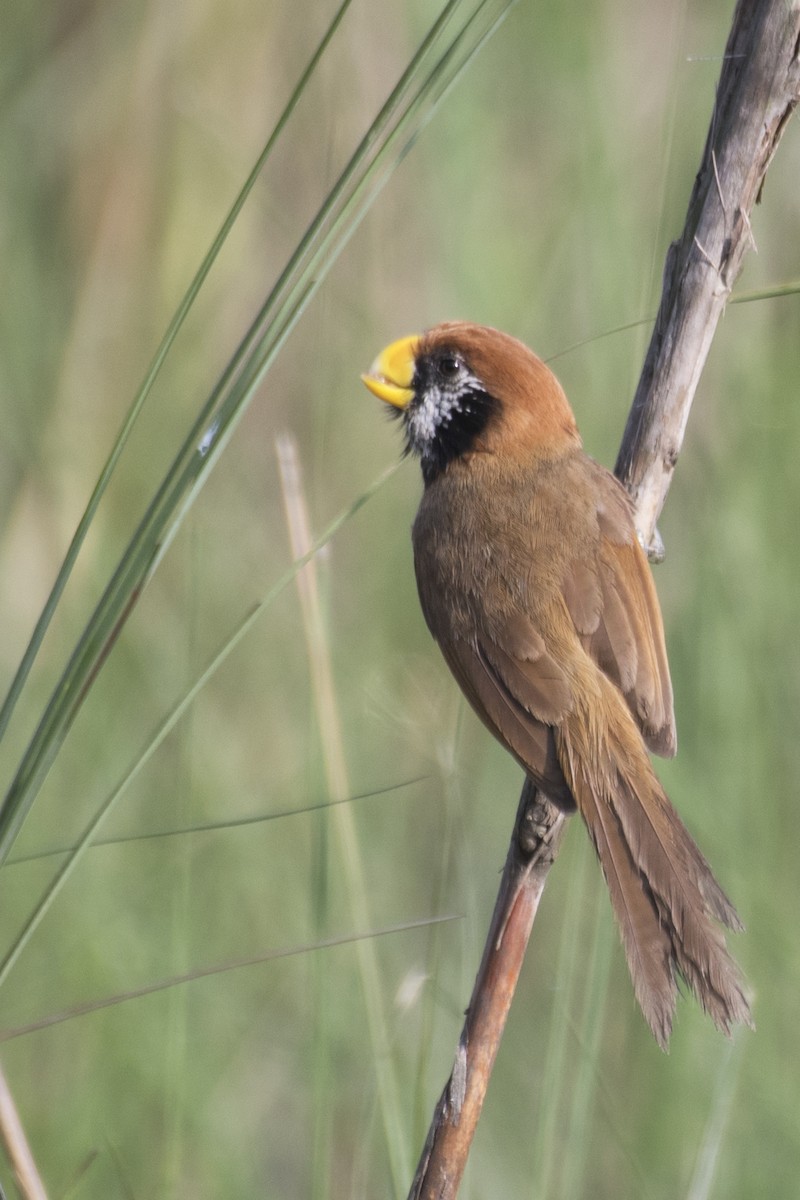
<point>428,417</point>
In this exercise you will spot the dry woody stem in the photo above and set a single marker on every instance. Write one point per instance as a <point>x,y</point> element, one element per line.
<point>537,835</point>
<point>758,90</point>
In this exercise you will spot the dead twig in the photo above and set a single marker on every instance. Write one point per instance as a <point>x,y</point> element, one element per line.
<point>537,835</point>
<point>757,92</point>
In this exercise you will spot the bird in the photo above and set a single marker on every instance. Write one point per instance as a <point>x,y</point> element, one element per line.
<point>533,583</point>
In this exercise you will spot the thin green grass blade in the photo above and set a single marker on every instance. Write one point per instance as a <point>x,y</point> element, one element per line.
<point>770,293</point>
<point>556,1075</point>
<point>585,1083</point>
<point>281,814</point>
<point>196,973</point>
<point>169,722</point>
<point>153,371</point>
<point>703,1181</point>
<point>409,107</point>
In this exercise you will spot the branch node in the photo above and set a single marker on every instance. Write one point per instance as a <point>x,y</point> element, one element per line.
<point>536,828</point>
<point>654,546</point>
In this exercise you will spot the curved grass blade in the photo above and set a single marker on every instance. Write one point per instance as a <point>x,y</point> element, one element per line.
<point>91,1006</point>
<point>408,109</point>
<point>174,831</point>
<point>770,293</point>
<point>169,722</point>
<point>153,371</point>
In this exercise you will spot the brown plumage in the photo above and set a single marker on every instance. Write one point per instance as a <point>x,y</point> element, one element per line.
<point>534,585</point>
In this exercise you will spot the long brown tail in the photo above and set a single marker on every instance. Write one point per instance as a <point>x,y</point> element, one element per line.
<point>662,890</point>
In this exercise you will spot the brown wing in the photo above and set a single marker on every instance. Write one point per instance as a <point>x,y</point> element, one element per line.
<point>520,694</point>
<point>614,606</point>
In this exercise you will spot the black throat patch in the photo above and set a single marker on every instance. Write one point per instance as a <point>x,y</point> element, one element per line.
<point>449,411</point>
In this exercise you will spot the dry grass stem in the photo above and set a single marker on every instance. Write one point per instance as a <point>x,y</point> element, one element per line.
<point>16,1145</point>
<point>758,90</point>
<point>338,784</point>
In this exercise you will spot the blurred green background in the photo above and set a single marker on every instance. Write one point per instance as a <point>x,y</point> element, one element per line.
<point>541,199</point>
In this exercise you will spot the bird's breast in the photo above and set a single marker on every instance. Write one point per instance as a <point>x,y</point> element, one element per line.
<point>490,543</point>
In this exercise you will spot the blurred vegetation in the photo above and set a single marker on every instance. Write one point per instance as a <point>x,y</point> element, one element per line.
<point>541,199</point>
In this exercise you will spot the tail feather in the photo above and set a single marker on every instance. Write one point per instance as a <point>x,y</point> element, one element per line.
<point>646,941</point>
<point>663,893</point>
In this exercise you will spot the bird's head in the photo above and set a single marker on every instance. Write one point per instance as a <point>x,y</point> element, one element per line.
<point>464,389</point>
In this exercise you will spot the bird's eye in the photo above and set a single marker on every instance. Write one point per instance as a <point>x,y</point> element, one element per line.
<point>449,365</point>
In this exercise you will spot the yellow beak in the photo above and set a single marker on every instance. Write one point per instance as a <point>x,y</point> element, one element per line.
<point>391,375</point>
